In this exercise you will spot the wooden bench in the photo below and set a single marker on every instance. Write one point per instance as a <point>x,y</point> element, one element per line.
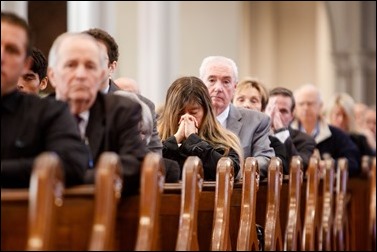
<point>272,230</point>
<point>247,235</point>
<point>311,218</point>
<point>341,226</point>
<point>108,191</point>
<point>221,211</point>
<point>325,232</point>
<point>35,209</point>
<point>192,182</point>
<point>152,181</point>
<point>293,230</point>
<point>372,207</point>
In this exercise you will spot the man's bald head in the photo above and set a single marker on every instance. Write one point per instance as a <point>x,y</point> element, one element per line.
<point>127,84</point>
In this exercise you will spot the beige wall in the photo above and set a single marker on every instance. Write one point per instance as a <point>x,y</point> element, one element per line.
<point>282,43</point>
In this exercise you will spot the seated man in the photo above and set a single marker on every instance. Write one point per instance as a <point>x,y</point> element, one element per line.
<point>110,46</point>
<point>107,122</point>
<point>281,107</point>
<point>220,75</point>
<point>31,125</point>
<point>328,139</point>
<point>35,79</point>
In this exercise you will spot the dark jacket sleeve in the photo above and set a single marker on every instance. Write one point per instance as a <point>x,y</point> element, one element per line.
<point>126,141</point>
<point>195,146</point>
<point>300,144</point>
<point>280,152</point>
<point>51,127</point>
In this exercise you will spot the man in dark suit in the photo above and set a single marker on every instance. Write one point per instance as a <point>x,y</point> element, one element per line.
<point>77,66</point>
<point>252,127</point>
<point>108,86</point>
<point>281,107</point>
<point>31,125</point>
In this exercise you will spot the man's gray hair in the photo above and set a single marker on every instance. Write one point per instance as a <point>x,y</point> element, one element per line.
<point>209,59</point>
<point>54,51</point>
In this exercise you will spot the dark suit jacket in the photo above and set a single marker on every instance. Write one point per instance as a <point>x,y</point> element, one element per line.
<point>31,125</point>
<point>280,152</point>
<point>154,144</point>
<point>195,146</point>
<point>114,126</point>
<point>301,144</point>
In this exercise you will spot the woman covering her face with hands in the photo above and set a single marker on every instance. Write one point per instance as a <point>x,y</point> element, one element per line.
<point>188,127</point>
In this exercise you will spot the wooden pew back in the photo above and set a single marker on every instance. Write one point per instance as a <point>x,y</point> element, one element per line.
<point>192,182</point>
<point>273,237</point>
<point>293,230</point>
<point>247,236</point>
<point>223,194</point>
<point>311,218</point>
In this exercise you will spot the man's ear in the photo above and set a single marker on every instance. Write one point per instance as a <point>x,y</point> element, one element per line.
<point>51,76</point>
<point>43,84</point>
<point>113,66</point>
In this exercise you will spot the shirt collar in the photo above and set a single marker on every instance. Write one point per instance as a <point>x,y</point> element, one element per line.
<point>223,116</point>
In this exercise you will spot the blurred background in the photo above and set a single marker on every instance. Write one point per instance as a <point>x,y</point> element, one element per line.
<point>331,44</point>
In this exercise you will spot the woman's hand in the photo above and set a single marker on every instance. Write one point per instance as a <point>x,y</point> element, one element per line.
<point>190,125</point>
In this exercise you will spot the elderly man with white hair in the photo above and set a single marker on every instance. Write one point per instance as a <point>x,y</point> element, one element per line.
<point>328,139</point>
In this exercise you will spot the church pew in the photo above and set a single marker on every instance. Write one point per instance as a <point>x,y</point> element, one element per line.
<point>341,225</point>
<point>45,196</point>
<point>108,191</point>
<point>325,232</point>
<point>272,228</point>
<point>28,217</point>
<point>247,236</point>
<point>311,218</point>
<point>192,182</point>
<point>372,207</point>
<point>293,230</point>
<point>223,193</point>
<point>152,181</point>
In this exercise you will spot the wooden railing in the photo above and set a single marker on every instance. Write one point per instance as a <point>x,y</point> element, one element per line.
<point>223,194</point>
<point>192,182</point>
<point>108,190</point>
<point>272,231</point>
<point>45,195</point>
<point>293,230</point>
<point>152,181</point>
<point>325,232</point>
<point>247,235</point>
<point>341,226</point>
<point>311,218</point>
<point>79,208</point>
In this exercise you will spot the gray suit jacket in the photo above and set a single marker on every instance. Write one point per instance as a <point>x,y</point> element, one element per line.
<point>252,127</point>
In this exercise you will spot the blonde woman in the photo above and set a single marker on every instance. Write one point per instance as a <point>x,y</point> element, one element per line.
<point>188,127</point>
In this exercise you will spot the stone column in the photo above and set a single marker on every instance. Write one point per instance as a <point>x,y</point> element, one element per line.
<point>157,48</point>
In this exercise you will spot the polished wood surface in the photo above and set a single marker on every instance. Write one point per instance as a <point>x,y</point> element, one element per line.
<point>221,212</point>
<point>311,218</point>
<point>272,229</point>
<point>293,230</point>
<point>341,227</point>
<point>372,207</point>
<point>325,232</point>
<point>45,195</point>
<point>247,234</point>
<point>108,190</point>
<point>192,182</point>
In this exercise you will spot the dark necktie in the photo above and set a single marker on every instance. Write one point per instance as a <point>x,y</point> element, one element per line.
<point>85,140</point>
